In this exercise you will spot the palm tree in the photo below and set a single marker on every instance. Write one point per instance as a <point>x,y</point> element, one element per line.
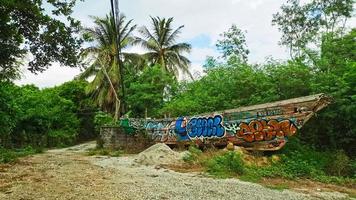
<point>104,60</point>
<point>162,47</point>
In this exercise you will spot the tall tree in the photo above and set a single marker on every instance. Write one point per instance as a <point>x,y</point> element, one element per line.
<point>104,61</point>
<point>304,25</point>
<point>233,43</point>
<point>26,28</point>
<point>162,46</point>
<point>147,91</point>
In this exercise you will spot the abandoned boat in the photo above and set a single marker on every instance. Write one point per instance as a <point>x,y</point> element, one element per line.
<point>263,127</point>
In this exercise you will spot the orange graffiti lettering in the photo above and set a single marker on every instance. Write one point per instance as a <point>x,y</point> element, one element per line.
<point>261,130</point>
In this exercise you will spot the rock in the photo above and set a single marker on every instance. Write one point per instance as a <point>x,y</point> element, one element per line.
<point>153,175</point>
<point>275,158</point>
<point>240,150</point>
<point>230,146</point>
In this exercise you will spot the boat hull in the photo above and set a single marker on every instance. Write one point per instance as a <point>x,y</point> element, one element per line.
<point>263,127</point>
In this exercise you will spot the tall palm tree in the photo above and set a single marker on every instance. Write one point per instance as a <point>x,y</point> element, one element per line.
<point>104,60</point>
<point>162,47</point>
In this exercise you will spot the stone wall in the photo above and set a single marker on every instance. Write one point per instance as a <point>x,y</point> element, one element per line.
<point>113,137</point>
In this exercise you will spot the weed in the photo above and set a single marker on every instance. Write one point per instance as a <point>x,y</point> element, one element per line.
<point>339,164</point>
<point>192,155</point>
<point>280,186</point>
<point>11,155</point>
<point>104,152</point>
<point>226,165</point>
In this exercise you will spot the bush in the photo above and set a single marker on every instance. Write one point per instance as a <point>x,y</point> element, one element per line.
<point>296,160</point>
<point>11,155</point>
<point>101,119</point>
<point>226,165</point>
<point>302,161</point>
<point>192,155</point>
<point>339,164</point>
<point>61,138</point>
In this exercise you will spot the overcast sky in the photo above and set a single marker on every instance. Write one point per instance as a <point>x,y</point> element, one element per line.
<point>204,20</point>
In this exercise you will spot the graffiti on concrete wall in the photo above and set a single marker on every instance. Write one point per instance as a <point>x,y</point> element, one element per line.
<point>161,131</point>
<point>156,130</point>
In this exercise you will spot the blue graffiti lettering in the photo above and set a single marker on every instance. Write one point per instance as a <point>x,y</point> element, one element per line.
<point>205,127</point>
<point>180,128</point>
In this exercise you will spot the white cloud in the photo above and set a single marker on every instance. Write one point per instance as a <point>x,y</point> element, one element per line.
<point>55,75</point>
<point>208,17</point>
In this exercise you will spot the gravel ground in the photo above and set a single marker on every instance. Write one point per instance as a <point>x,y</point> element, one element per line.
<point>68,174</point>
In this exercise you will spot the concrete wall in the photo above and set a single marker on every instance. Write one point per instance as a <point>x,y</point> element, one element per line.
<point>112,137</point>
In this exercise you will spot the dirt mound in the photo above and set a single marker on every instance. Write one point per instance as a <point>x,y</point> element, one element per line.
<point>159,154</point>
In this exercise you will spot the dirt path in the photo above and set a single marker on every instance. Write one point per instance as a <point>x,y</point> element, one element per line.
<point>69,174</point>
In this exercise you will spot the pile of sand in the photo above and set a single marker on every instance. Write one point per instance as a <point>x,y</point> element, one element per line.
<point>159,154</point>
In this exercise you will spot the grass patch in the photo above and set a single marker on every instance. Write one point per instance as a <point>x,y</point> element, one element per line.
<point>280,186</point>
<point>250,177</point>
<point>11,155</point>
<point>226,165</point>
<point>295,161</point>
<point>104,152</point>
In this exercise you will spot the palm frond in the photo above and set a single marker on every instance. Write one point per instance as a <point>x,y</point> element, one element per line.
<point>180,48</point>
<point>172,37</point>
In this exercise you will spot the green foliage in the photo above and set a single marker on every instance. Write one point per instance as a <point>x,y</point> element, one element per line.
<point>301,161</point>
<point>43,118</point>
<point>61,138</point>
<point>41,112</point>
<point>11,155</point>
<point>98,151</point>
<point>233,43</point>
<point>26,27</point>
<point>148,90</point>
<point>333,74</point>
<point>104,152</point>
<point>163,48</point>
<point>83,105</point>
<point>290,80</point>
<point>226,165</point>
<point>245,84</point>
<point>102,118</point>
<point>278,187</point>
<point>192,155</point>
<point>107,69</point>
<point>297,160</point>
<point>8,110</point>
<point>303,24</point>
<point>339,164</point>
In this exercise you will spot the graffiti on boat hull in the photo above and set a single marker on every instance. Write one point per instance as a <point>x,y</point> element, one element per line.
<point>261,130</point>
<point>184,129</point>
<point>262,127</point>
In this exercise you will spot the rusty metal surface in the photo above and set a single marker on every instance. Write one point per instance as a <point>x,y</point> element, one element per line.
<point>264,127</point>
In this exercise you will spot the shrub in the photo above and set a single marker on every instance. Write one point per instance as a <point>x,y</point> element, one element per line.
<point>226,165</point>
<point>101,119</point>
<point>192,155</point>
<point>61,138</point>
<point>302,161</point>
<point>10,155</point>
<point>339,164</point>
